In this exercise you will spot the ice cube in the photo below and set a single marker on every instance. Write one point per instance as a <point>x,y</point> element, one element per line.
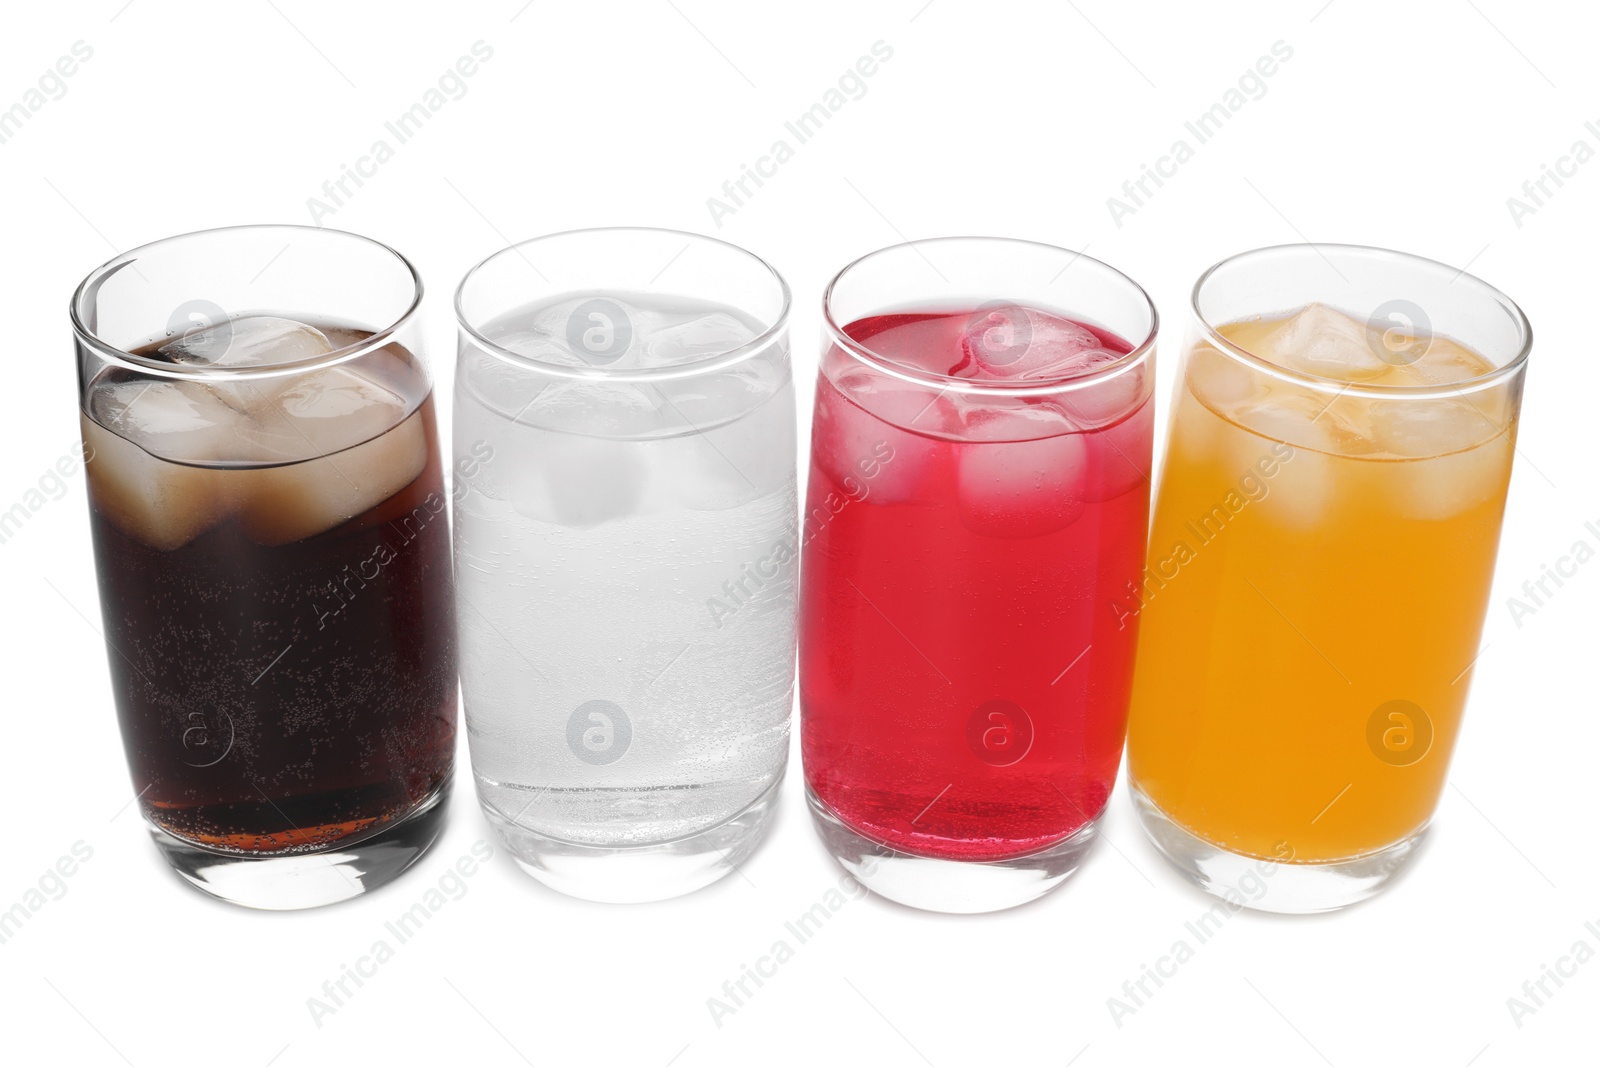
<point>337,445</point>
<point>724,466</point>
<point>1072,364</point>
<point>1220,381</point>
<point>161,504</point>
<point>1429,426</point>
<point>279,505</point>
<point>1021,488</point>
<point>872,432</point>
<point>1018,342</point>
<point>1333,424</point>
<point>712,399</point>
<point>1301,493</point>
<point>1105,402</point>
<point>617,409</point>
<point>1444,361</point>
<point>247,341</point>
<point>1119,456</point>
<point>702,471</point>
<point>543,335</point>
<point>1442,487</point>
<point>695,338</point>
<point>539,346</point>
<point>1000,417</point>
<point>581,481</point>
<point>316,414</point>
<point>177,420</point>
<point>1459,448</point>
<point>154,440</point>
<point>1322,341</point>
<point>624,332</point>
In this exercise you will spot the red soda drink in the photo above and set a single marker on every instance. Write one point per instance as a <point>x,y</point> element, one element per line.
<point>976,509</point>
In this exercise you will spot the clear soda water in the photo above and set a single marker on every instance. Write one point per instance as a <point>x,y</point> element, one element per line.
<point>626,545</point>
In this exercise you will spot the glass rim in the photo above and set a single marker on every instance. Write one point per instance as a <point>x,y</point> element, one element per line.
<point>1477,383</point>
<point>1131,360</point>
<point>707,364</point>
<point>195,372</point>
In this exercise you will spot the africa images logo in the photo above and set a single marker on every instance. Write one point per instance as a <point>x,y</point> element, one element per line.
<point>599,732</point>
<point>999,732</point>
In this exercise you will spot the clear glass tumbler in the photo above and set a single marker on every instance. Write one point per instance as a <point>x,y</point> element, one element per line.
<point>268,511</point>
<point>979,491</point>
<point>1320,560</point>
<point>626,554</point>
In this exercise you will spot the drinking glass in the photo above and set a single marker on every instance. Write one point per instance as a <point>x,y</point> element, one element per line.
<point>1320,561</point>
<point>268,512</point>
<point>979,491</point>
<point>625,552</point>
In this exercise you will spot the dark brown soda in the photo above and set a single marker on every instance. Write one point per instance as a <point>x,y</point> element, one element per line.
<point>278,698</point>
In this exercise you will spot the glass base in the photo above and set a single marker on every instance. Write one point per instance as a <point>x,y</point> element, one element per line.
<point>1271,885</point>
<point>308,879</point>
<point>962,887</point>
<point>638,874</point>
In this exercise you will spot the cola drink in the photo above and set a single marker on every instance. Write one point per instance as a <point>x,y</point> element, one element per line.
<point>284,650</point>
<point>270,525</point>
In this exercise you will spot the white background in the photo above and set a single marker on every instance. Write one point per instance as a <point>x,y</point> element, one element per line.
<point>1403,125</point>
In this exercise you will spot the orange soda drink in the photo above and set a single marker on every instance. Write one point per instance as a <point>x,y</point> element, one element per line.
<point>1321,553</point>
